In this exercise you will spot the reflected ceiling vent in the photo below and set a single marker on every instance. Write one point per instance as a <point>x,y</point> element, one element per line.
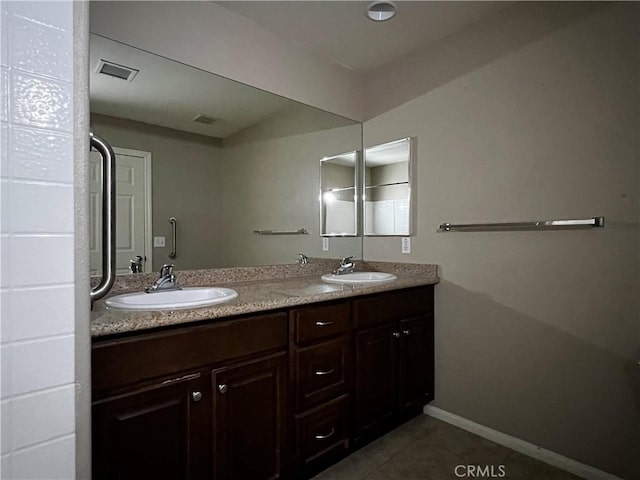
<point>205,119</point>
<point>117,71</point>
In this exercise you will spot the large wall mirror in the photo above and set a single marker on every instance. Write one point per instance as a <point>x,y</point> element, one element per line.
<point>222,158</point>
<point>339,195</point>
<point>388,191</point>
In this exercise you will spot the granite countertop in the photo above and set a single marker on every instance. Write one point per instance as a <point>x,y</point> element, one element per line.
<point>292,286</point>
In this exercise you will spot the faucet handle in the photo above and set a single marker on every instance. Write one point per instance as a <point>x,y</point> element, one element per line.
<point>302,259</point>
<point>166,270</point>
<point>347,260</point>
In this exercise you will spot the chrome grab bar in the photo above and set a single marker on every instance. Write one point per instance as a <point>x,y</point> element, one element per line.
<point>174,236</point>
<point>108,217</point>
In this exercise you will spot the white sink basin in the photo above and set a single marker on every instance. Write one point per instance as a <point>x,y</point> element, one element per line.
<point>359,278</point>
<point>189,297</point>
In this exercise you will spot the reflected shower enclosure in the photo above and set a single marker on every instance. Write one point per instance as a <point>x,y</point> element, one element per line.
<point>339,195</point>
<point>387,188</point>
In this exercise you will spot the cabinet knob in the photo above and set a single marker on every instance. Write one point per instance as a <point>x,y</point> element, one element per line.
<point>196,396</point>
<point>406,332</point>
<point>222,388</point>
<point>396,334</point>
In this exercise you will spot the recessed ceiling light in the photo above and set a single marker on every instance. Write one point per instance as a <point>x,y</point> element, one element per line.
<point>381,11</point>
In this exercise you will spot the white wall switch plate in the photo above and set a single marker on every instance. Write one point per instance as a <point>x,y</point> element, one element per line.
<point>406,244</point>
<point>325,244</point>
<point>158,241</point>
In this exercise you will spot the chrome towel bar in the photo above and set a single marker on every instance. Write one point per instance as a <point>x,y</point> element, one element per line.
<point>301,231</point>
<point>535,225</point>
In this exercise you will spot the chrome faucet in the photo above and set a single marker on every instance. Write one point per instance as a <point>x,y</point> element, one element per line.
<point>135,264</point>
<point>347,265</point>
<point>302,259</point>
<point>167,281</point>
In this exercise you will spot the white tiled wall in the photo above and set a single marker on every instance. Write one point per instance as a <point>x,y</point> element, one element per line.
<point>37,396</point>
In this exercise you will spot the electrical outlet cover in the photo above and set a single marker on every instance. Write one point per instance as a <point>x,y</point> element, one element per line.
<point>406,244</point>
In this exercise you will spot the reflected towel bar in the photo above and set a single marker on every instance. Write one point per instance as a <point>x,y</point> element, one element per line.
<point>537,225</point>
<point>301,231</point>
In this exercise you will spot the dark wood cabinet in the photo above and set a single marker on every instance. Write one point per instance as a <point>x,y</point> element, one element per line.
<point>249,419</point>
<point>278,395</point>
<point>322,372</point>
<point>322,434</point>
<point>376,379</point>
<point>394,360</point>
<point>160,431</point>
<point>416,368</point>
<point>159,409</point>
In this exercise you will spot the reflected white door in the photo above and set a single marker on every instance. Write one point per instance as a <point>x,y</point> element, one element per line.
<point>133,210</point>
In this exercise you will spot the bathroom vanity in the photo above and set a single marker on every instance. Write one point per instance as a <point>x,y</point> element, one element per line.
<point>282,390</point>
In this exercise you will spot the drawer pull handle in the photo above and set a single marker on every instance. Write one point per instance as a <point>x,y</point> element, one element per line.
<point>222,388</point>
<point>406,332</point>
<point>323,324</point>
<point>325,372</point>
<point>196,396</point>
<point>324,437</point>
<point>396,334</point>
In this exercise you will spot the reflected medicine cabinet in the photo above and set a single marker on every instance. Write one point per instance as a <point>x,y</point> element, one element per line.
<point>339,195</point>
<point>388,188</point>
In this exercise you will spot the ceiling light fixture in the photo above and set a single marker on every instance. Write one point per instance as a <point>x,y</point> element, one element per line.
<point>381,11</point>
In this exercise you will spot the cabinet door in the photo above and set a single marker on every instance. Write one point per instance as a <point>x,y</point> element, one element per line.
<point>416,364</point>
<point>156,432</point>
<point>376,379</point>
<point>249,419</point>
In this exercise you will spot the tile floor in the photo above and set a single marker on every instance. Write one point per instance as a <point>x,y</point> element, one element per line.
<point>428,449</point>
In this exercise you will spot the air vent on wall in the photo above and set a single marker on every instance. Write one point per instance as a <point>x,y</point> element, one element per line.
<point>206,119</point>
<point>117,71</point>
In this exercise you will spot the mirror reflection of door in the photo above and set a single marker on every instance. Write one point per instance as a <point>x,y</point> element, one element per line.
<point>387,189</point>
<point>338,215</point>
<point>133,210</point>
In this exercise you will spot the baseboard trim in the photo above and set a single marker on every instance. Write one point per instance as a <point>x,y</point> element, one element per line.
<point>547,456</point>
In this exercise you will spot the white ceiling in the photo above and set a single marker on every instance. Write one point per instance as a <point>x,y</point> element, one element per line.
<point>171,94</point>
<point>340,31</point>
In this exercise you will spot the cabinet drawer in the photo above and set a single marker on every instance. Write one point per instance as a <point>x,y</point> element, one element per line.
<point>119,362</point>
<point>322,434</point>
<point>321,321</point>
<point>391,306</point>
<point>322,371</point>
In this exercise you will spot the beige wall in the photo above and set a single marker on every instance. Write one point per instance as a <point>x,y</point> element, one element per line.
<point>290,179</point>
<point>536,332</point>
<point>186,172</point>
<point>210,37</point>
